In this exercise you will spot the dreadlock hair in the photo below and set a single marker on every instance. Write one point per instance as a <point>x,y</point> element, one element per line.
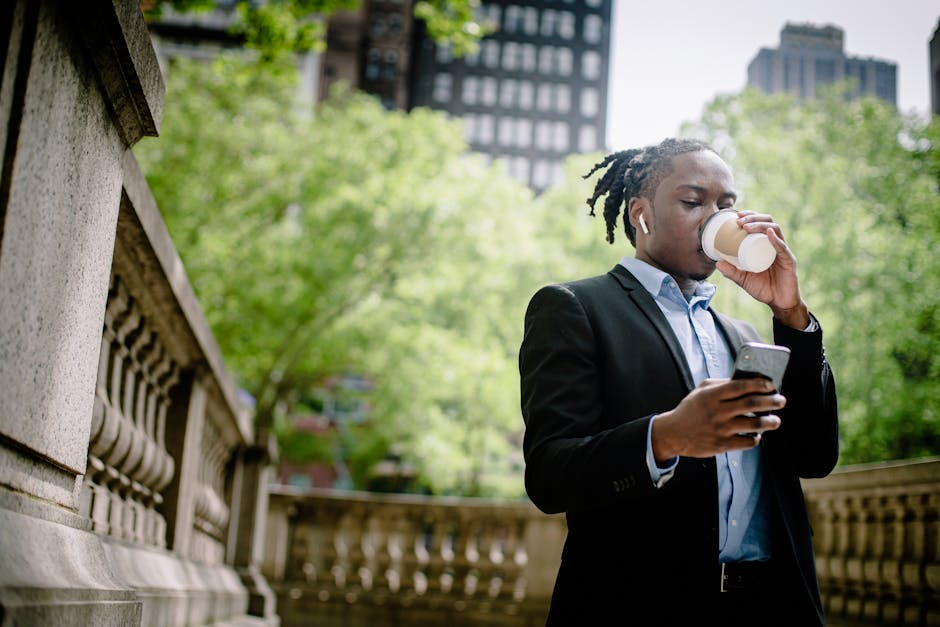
<point>635,172</point>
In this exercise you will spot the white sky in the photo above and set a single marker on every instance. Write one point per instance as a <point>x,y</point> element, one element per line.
<point>670,57</point>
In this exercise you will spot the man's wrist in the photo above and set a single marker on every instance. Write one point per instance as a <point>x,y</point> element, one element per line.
<point>795,317</point>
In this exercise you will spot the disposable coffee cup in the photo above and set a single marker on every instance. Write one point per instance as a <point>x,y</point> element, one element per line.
<point>723,238</point>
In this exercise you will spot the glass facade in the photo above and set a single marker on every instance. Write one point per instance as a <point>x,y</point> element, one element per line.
<point>534,92</point>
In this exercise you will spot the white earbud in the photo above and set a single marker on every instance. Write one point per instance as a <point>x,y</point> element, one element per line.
<point>646,230</point>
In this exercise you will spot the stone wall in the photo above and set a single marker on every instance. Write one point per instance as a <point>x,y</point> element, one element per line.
<point>132,484</point>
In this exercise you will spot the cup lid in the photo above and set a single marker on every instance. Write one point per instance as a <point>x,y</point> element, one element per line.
<point>756,253</point>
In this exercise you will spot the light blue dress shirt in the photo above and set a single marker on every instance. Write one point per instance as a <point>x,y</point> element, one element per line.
<point>743,501</point>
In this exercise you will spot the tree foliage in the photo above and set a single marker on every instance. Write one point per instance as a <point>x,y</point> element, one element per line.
<point>855,186</point>
<point>353,240</point>
<point>277,28</point>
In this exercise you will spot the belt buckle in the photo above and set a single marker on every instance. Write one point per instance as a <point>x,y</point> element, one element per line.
<point>724,578</point>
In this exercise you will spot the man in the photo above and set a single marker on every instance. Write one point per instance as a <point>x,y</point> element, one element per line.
<point>681,487</point>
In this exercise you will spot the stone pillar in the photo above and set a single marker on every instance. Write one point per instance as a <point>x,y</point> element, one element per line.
<point>253,474</point>
<point>80,86</point>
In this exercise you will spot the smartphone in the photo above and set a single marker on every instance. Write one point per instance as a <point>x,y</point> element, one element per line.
<point>756,359</point>
<point>761,360</point>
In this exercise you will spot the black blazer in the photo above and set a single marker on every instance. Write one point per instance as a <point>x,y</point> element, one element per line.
<point>597,360</point>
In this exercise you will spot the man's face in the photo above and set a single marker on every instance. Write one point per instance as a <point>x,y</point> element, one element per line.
<point>699,184</point>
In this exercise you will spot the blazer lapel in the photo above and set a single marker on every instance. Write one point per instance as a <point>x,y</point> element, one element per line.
<point>732,334</point>
<point>645,303</point>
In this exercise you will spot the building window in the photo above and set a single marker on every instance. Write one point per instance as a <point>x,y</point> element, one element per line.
<point>546,60</point>
<point>518,168</point>
<point>486,129</point>
<point>443,54</point>
<point>507,93</point>
<point>470,92</point>
<point>560,137</point>
<point>531,21</point>
<point>471,59</point>
<point>591,65</point>
<point>469,127</point>
<point>394,26</point>
<point>565,25</point>
<point>587,139</point>
<point>490,53</point>
<point>491,13</point>
<point>443,85</point>
<point>507,131</point>
<point>526,95</point>
<point>548,23</point>
<point>511,55</point>
<point>373,64</point>
<point>592,29</point>
<point>590,102</point>
<point>529,57</point>
<point>565,61</point>
<point>594,3</point>
<point>541,174</point>
<point>379,27</point>
<point>562,98</point>
<point>390,66</point>
<point>488,96</point>
<point>544,98</point>
<point>513,16</point>
<point>524,135</point>
<point>543,135</point>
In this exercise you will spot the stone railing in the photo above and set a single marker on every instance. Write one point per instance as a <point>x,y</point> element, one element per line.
<point>132,484</point>
<point>877,534</point>
<point>368,559</point>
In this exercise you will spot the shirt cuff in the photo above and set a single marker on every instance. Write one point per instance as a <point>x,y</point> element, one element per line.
<point>812,326</point>
<point>659,475</point>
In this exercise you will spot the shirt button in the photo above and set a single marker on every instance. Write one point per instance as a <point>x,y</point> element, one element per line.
<point>734,523</point>
<point>735,464</point>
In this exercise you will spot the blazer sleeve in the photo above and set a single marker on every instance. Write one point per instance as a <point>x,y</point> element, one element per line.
<point>808,437</point>
<point>571,461</point>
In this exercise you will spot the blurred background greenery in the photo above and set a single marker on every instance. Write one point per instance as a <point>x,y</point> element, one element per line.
<point>364,261</point>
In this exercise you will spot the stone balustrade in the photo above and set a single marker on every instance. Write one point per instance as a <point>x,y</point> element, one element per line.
<point>132,483</point>
<point>350,559</point>
<point>877,541</point>
<point>356,558</point>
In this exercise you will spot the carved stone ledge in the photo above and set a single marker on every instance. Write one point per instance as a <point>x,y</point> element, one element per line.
<point>116,39</point>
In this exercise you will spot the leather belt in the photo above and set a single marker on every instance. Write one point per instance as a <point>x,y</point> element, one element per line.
<point>745,576</point>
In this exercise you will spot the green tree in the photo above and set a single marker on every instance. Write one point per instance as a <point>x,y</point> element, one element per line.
<point>353,240</point>
<point>277,28</point>
<point>854,184</point>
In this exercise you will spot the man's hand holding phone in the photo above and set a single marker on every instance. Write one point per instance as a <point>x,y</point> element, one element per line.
<point>756,359</point>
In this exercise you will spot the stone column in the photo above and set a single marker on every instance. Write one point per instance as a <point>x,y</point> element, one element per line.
<point>80,86</point>
<point>253,474</point>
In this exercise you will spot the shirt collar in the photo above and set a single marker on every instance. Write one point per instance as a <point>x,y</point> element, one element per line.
<point>661,284</point>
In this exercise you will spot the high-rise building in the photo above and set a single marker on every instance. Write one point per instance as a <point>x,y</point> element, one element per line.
<point>934,49</point>
<point>534,92</point>
<point>370,49</point>
<point>809,56</point>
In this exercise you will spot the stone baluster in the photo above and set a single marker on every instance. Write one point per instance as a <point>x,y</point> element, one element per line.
<point>894,554</point>
<point>520,557</point>
<point>400,550</point>
<point>95,499</point>
<point>873,554</point>
<point>932,559</point>
<point>840,598</point>
<point>166,375</point>
<point>417,553</point>
<point>445,539</point>
<point>912,581</point>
